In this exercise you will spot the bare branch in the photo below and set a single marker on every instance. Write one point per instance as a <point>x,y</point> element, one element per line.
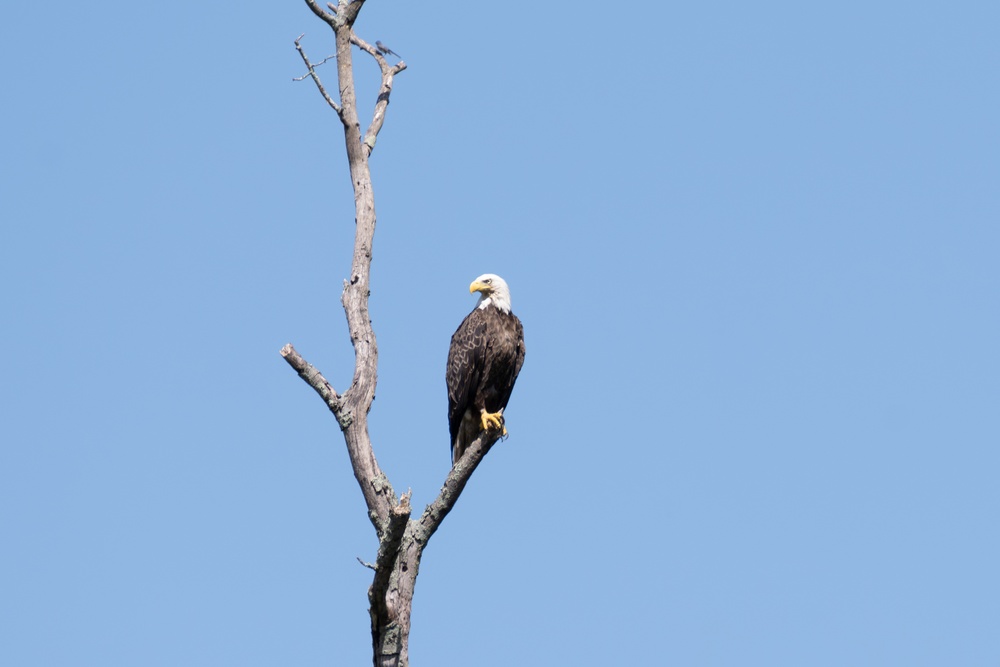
<point>315,77</point>
<point>368,48</point>
<point>388,73</point>
<point>353,421</point>
<point>314,379</point>
<point>459,476</point>
<point>318,11</point>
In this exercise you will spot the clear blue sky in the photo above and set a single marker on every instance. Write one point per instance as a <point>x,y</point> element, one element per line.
<point>755,249</point>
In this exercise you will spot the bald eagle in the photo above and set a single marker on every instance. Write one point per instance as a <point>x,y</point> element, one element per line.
<point>486,355</point>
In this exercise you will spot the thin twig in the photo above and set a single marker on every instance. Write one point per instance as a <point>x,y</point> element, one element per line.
<point>315,77</point>
<point>307,74</point>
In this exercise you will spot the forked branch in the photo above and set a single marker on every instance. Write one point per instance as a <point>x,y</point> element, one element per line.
<point>388,72</point>
<point>388,553</point>
<point>315,77</point>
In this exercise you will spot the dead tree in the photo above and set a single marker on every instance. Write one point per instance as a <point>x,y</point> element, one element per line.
<point>401,537</point>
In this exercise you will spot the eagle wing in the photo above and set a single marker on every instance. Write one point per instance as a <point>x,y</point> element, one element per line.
<point>466,359</point>
<point>518,362</point>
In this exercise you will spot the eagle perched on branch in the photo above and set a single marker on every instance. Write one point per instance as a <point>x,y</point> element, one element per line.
<point>486,354</point>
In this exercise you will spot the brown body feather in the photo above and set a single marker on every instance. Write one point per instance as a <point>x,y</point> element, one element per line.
<point>486,354</point>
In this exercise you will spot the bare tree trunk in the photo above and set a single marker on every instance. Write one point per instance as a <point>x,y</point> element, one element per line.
<point>401,538</point>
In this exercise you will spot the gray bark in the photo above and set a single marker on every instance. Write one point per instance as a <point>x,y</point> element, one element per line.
<point>401,538</point>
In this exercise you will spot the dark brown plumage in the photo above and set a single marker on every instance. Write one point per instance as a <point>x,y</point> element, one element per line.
<point>486,355</point>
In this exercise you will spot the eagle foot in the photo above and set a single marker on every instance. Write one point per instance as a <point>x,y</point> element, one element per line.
<point>493,421</point>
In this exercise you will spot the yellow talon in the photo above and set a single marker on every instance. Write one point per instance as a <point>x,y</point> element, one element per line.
<point>494,420</point>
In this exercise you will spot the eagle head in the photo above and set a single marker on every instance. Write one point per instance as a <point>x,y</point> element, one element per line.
<point>492,290</point>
